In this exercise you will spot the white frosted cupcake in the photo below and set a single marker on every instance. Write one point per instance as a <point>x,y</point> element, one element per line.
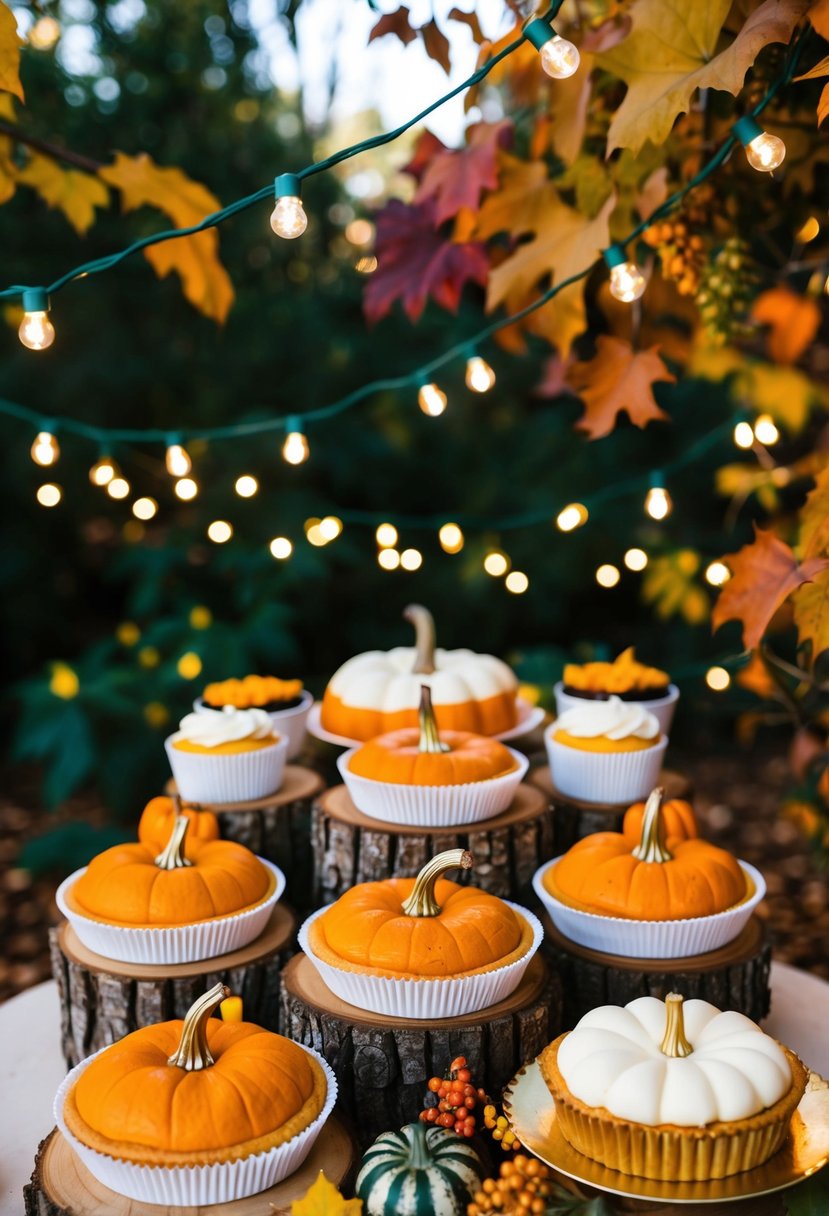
<point>605,751</point>
<point>227,755</point>
<point>286,703</point>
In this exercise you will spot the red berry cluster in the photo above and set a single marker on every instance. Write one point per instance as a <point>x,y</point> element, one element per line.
<point>452,1099</point>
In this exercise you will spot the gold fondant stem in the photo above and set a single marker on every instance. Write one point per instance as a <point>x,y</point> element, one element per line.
<point>429,736</point>
<point>652,845</point>
<point>424,627</point>
<point>422,900</point>
<point>172,857</point>
<point>674,1043</point>
<point>192,1052</point>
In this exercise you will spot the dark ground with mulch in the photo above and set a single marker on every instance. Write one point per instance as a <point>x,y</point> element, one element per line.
<point>737,798</point>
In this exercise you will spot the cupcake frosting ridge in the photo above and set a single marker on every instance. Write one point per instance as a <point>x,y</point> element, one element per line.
<point>213,727</point>
<point>614,719</point>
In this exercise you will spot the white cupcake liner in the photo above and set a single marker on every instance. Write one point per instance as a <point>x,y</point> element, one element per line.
<point>426,998</point>
<point>239,777</point>
<point>177,944</point>
<point>288,723</point>
<point>662,708</point>
<point>663,939</point>
<point>433,806</point>
<point>615,777</point>
<point>183,1186</point>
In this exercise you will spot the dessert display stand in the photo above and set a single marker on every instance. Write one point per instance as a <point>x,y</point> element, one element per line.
<point>383,1063</point>
<point>276,827</point>
<point>350,847</point>
<point>734,977</point>
<point>574,818</point>
<point>102,1000</point>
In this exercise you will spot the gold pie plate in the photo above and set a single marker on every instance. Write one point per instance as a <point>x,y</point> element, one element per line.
<point>530,1110</point>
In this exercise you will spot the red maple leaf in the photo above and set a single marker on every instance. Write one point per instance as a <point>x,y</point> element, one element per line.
<point>416,262</point>
<point>426,149</point>
<point>457,177</point>
<point>394,23</point>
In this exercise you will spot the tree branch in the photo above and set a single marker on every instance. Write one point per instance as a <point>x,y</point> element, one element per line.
<point>53,151</point>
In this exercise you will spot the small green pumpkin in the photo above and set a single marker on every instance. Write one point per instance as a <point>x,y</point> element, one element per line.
<point>419,1171</point>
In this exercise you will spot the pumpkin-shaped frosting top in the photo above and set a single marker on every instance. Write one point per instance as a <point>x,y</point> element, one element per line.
<point>197,1089</point>
<point>423,755</point>
<point>647,878</point>
<point>671,1061</point>
<point>624,675</point>
<point>130,885</point>
<point>424,927</point>
<point>251,692</point>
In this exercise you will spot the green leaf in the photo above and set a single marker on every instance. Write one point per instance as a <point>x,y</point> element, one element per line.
<point>68,847</point>
<point>73,757</point>
<point>810,1198</point>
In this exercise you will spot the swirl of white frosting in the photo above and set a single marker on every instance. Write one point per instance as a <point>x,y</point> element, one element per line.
<point>213,727</point>
<point>614,718</point>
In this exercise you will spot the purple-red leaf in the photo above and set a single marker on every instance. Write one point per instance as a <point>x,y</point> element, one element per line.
<point>457,177</point>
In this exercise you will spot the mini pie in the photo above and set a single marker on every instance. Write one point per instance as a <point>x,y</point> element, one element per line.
<point>254,692</point>
<point>625,677</point>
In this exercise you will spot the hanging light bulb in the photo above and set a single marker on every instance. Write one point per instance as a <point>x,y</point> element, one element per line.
<point>295,449</point>
<point>36,330</point>
<point>559,58</point>
<point>766,430</point>
<point>479,375</point>
<point>764,152</point>
<point>572,516</point>
<point>431,400</point>
<point>451,538</point>
<point>627,283</point>
<point>658,503</point>
<point>386,536</point>
<point>177,460</point>
<point>103,470</point>
<point>288,218</point>
<point>743,435</point>
<point>45,449</point>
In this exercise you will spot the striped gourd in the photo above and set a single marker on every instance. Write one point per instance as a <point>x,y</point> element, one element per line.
<point>419,1171</point>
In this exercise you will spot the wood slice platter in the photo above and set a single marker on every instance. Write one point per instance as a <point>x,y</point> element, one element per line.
<point>350,847</point>
<point>383,1063</point>
<point>277,827</point>
<point>574,818</point>
<point>102,999</point>
<point>734,977</point>
<point>61,1184</point>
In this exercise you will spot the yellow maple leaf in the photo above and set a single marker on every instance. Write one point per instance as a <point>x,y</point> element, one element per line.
<point>10,44</point>
<point>8,169</point>
<point>520,204</point>
<point>669,585</point>
<point>75,194</point>
<point>814,519</point>
<point>811,614</point>
<point>784,392</point>
<point>323,1199</point>
<point>671,52</point>
<point>195,258</point>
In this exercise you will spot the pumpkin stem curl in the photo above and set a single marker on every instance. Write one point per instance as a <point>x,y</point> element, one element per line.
<point>430,740</point>
<point>172,856</point>
<point>192,1052</point>
<point>674,1042</point>
<point>424,627</point>
<point>419,1156</point>
<point>422,900</point>
<point>652,845</point>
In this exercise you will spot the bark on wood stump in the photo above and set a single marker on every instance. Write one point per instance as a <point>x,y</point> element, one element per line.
<point>277,827</point>
<point>383,1064</point>
<point>102,1000</point>
<point>734,977</point>
<point>350,847</point>
<point>61,1185</point>
<point>574,818</point>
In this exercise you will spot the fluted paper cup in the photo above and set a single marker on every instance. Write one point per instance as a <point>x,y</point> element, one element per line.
<point>433,806</point>
<point>178,943</point>
<point>197,1185</point>
<point>425,998</point>
<point>238,777</point>
<point>615,777</point>
<point>288,723</point>
<point>663,939</point>
<point>662,708</point>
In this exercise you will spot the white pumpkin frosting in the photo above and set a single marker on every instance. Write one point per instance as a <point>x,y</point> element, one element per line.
<point>613,1059</point>
<point>614,719</point>
<point>213,727</point>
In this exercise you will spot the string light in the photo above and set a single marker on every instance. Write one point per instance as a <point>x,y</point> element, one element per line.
<point>360,232</point>
<point>744,435</point>
<point>189,665</point>
<point>314,534</point>
<point>410,559</point>
<point>49,495</point>
<point>44,33</point>
<point>288,218</point>
<point>295,449</point>
<point>246,486</point>
<point>479,375</point>
<point>572,516</point>
<point>186,489</point>
<point>388,559</point>
<point>496,563</point>
<point>516,582</point>
<point>177,460</point>
<point>144,508</point>
<point>717,678</point>
<point>766,431</point>
<point>36,331</point>
<point>281,548</point>
<point>764,152</point>
<point>330,527</point>
<point>386,536</point>
<point>103,471</point>
<point>635,559</point>
<point>118,487</point>
<point>431,400</point>
<point>607,575</point>
<point>717,574</point>
<point>658,503</point>
<point>451,538</point>
<point>219,531</point>
<point>45,450</point>
<point>627,283</point>
<point>559,58</point>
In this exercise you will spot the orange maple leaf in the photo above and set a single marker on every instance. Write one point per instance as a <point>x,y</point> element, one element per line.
<point>763,574</point>
<point>793,320</point>
<point>617,379</point>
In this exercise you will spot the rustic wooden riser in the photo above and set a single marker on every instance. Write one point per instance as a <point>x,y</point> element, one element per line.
<point>277,828</point>
<point>102,1000</point>
<point>733,977</point>
<point>383,1064</point>
<point>573,818</point>
<point>61,1184</point>
<point>350,847</point>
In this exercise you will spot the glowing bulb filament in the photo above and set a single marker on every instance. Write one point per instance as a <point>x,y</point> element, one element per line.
<point>627,283</point>
<point>766,152</point>
<point>658,503</point>
<point>288,219</point>
<point>177,460</point>
<point>103,471</point>
<point>45,449</point>
<point>36,330</point>
<point>560,58</point>
<point>479,375</point>
<point>295,449</point>
<point>431,400</point>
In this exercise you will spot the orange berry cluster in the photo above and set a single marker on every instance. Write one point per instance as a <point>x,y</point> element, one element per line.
<point>452,1099</point>
<point>523,1185</point>
<point>682,253</point>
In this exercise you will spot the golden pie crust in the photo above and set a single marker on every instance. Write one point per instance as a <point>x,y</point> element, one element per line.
<point>666,1151</point>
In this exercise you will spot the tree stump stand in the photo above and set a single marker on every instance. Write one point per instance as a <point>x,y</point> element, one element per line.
<point>102,1000</point>
<point>350,847</point>
<point>383,1064</point>
<point>734,977</point>
<point>574,818</point>
<point>61,1185</point>
<point>277,827</point>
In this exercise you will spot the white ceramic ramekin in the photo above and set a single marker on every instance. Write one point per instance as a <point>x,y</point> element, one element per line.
<point>290,723</point>
<point>614,777</point>
<point>662,708</point>
<point>238,777</point>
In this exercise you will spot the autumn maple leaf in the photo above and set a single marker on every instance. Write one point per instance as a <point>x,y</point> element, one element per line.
<point>793,321</point>
<point>416,262</point>
<point>10,44</point>
<point>396,23</point>
<point>75,194</point>
<point>457,177</point>
<point>323,1199</point>
<point>617,379</point>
